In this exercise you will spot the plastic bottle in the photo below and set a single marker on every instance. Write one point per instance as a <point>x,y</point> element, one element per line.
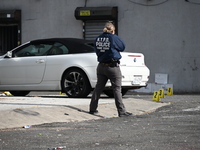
<point>54,148</point>
<point>27,126</point>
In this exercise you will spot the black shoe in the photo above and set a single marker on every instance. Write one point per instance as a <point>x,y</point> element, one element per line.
<point>93,112</point>
<point>125,114</point>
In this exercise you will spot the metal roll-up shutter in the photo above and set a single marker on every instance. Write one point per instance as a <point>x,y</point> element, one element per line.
<point>93,28</point>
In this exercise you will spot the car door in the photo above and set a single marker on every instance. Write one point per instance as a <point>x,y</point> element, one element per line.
<point>26,66</point>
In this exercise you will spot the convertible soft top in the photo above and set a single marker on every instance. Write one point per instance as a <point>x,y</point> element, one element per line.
<point>75,45</point>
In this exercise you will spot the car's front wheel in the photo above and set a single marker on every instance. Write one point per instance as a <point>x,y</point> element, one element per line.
<point>19,93</point>
<point>75,83</point>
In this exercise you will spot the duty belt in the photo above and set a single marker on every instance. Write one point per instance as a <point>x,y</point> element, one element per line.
<point>112,64</point>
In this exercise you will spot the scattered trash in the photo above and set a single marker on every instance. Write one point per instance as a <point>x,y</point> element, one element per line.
<point>62,93</point>
<point>102,116</point>
<point>60,147</point>
<point>27,126</point>
<point>2,94</point>
<point>7,93</point>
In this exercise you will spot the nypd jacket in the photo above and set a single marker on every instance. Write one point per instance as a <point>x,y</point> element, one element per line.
<point>108,47</point>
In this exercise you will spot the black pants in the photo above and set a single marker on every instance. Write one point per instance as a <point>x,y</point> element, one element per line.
<point>103,74</point>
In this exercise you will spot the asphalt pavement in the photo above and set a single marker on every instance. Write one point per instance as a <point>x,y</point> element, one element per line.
<point>171,124</point>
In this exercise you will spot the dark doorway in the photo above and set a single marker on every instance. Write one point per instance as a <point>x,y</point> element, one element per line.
<point>8,37</point>
<point>10,30</point>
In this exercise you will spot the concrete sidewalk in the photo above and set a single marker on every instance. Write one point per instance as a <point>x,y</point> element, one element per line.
<point>21,111</point>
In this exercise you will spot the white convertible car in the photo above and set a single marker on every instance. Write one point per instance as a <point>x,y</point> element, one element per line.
<point>63,64</point>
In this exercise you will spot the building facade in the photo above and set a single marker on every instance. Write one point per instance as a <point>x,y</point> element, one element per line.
<point>167,32</point>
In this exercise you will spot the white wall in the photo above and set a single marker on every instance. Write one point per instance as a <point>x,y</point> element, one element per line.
<point>167,34</point>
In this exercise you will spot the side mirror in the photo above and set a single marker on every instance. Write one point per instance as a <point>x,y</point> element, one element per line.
<point>8,54</point>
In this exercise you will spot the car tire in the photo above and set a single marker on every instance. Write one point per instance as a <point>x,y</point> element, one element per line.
<point>110,94</point>
<point>75,83</point>
<point>19,93</point>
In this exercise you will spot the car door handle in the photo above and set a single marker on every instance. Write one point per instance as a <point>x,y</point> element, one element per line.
<point>39,61</point>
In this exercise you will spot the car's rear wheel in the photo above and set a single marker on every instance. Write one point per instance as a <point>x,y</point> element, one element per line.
<point>110,94</point>
<point>75,83</point>
<point>19,93</point>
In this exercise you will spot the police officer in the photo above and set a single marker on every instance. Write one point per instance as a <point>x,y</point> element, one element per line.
<point>108,47</point>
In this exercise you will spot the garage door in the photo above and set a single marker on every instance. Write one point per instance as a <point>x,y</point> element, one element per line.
<point>93,28</point>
